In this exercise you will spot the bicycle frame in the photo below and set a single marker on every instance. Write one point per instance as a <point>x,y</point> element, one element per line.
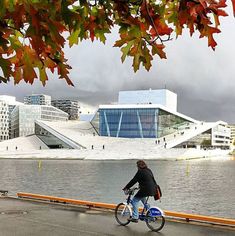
<point>154,211</point>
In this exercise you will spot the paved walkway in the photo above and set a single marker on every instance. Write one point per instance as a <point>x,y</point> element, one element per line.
<point>25,218</point>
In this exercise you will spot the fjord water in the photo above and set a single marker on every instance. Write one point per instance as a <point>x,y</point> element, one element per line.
<point>197,186</point>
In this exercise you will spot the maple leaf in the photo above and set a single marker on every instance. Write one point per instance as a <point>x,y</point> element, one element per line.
<point>32,32</point>
<point>73,38</point>
<point>208,32</point>
<point>43,75</point>
<point>158,49</point>
<point>233,4</point>
<point>125,50</point>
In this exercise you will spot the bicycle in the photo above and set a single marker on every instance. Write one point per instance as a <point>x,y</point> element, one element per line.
<point>153,216</point>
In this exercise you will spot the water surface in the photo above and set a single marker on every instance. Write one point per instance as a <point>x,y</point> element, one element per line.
<point>197,186</point>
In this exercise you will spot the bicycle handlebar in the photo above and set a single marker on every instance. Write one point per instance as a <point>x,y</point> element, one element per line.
<point>130,191</point>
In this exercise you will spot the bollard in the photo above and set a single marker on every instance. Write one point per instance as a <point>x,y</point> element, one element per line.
<point>187,169</point>
<point>39,164</point>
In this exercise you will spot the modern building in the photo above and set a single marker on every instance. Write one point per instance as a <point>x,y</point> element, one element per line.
<point>37,99</point>
<point>162,97</point>
<point>150,128</point>
<point>69,106</point>
<point>23,118</point>
<point>139,121</point>
<point>4,121</point>
<point>232,128</point>
<point>141,115</point>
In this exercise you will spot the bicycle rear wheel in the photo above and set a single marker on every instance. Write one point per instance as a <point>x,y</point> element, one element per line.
<point>122,214</point>
<point>155,223</point>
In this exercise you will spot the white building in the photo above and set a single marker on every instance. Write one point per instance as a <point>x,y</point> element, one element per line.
<point>232,128</point>
<point>23,118</point>
<point>8,103</point>
<point>160,96</point>
<point>153,114</point>
<point>136,130</point>
<point>4,121</point>
<point>37,99</point>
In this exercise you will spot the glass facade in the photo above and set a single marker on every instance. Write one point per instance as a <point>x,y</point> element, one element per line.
<point>49,139</point>
<point>24,116</point>
<point>37,99</point>
<point>138,122</point>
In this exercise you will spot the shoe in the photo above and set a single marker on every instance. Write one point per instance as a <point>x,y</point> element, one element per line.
<point>133,220</point>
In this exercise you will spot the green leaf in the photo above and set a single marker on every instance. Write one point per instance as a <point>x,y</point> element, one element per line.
<point>73,38</point>
<point>11,5</point>
<point>43,75</point>
<point>136,62</point>
<point>125,50</point>
<point>2,8</point>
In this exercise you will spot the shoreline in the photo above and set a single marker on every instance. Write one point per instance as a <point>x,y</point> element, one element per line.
<point>116,155</point>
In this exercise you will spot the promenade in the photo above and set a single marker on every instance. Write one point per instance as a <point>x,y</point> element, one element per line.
<point>21,217</point>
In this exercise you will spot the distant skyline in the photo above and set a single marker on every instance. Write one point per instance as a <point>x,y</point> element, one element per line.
<point>202,78</point>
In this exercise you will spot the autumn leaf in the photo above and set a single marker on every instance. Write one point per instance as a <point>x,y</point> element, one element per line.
<point>73,38</point>
<point>33,33</point>
<point>43,75</point>
<point>158,49</point>
<point>233,4</point>
<point>208,32</point>
<point>125,50</point>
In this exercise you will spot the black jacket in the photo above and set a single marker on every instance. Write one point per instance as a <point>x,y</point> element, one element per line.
<point>147,183</point>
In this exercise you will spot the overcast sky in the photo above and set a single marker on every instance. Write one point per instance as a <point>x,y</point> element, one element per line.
<point>202,78</point>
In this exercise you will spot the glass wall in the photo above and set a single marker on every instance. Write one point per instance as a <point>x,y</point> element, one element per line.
<point>169,123</point>
<point>129,123</point>
<point>49,139</point>
<point>138,122</point>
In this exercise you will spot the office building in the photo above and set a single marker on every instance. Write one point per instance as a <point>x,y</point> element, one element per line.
<point>4,121</point>
<point>8,103</point>
<point>37,99</point>
<point>69,106</point>
<point>23,118</point>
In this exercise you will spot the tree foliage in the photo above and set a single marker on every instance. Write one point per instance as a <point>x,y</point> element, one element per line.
<point>33,33</point>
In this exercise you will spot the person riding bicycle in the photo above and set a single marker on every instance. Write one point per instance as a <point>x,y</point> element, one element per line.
<point>147,187</point>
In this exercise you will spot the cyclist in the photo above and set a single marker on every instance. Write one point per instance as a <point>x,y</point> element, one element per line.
<point>147,187</point>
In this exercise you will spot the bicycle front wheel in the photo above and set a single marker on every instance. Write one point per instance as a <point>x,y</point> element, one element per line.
<point>122,214</point>
<point>155,223</point>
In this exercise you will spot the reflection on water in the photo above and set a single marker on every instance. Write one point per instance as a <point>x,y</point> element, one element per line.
<point>196,186</point>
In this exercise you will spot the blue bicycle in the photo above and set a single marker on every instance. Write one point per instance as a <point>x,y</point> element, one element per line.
<point>153,216</point>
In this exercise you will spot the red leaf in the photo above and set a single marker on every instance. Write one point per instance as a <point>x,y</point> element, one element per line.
<point>208,32</point>
<point>233,2</point>
<point>162,28</point>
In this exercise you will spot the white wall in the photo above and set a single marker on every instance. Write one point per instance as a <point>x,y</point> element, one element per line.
<point>161,96</point>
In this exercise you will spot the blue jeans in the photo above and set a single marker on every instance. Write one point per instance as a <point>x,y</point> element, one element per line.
<point>135,203</point>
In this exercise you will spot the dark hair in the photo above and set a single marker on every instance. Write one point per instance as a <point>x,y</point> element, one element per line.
<point>141,164</point>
